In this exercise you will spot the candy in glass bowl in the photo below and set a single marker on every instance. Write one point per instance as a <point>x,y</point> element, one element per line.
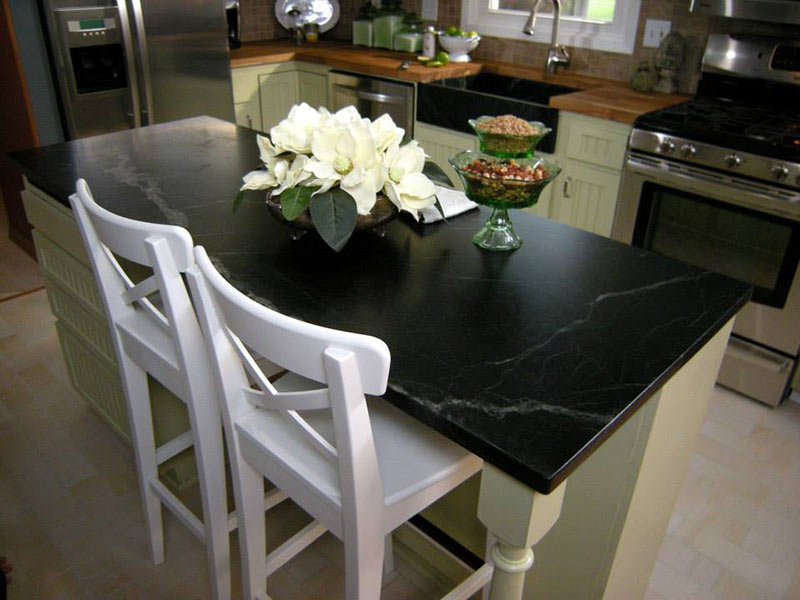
<point>508,136</point>
<point>502,183</point>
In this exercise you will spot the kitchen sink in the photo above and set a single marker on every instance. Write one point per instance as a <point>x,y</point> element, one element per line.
<point>450,103</point>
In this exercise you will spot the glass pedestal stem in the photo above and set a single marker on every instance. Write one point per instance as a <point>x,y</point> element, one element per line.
<point>498,232</point>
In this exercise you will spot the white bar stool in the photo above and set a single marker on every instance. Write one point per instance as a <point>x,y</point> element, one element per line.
<point>155,331</point>
<point>360,466</point>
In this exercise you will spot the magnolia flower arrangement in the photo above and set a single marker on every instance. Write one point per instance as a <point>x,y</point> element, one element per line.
<point>335,164</point>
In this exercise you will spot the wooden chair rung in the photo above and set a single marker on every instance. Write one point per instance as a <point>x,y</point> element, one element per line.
<point>174,447</point>
<point>178,508</point>
<point>293,546</point>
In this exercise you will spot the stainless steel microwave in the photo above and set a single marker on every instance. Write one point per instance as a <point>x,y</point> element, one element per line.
<point>775,11</point>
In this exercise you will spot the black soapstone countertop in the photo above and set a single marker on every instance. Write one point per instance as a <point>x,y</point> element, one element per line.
<point>530,358</point>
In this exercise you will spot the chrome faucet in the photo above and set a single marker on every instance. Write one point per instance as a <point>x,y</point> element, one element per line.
<point>557,54</point>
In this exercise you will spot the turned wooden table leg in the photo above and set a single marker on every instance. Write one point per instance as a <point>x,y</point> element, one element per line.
<point>518,518</point>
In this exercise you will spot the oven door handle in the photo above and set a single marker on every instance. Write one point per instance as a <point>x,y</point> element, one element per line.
<point>748,195</point>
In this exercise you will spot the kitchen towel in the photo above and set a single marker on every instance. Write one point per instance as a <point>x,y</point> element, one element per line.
<point>453,203</point>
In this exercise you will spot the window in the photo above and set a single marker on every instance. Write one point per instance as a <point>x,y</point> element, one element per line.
<point>596,24</point>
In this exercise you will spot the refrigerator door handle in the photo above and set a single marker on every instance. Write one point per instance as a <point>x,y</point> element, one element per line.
<point>144,61</point>
<point>130,60</point>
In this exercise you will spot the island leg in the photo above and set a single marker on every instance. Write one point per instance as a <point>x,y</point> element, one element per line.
<point>517,517</point>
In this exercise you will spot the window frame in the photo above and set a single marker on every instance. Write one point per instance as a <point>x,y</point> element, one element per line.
<point>617,36</point>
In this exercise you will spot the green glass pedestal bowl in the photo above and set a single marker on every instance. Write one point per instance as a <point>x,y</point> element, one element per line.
<point>506,145</point>
<point>501,194</point>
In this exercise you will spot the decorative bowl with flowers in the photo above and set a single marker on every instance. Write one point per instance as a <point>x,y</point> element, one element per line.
<point>328,170</point>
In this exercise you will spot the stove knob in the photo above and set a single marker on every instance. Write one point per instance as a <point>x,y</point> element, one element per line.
<point>733,160</point>
<point>688,150</point>
<point>779,172</point>
<point>666,147</point>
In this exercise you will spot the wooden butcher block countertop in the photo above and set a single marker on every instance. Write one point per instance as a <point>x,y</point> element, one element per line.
<point>597,97</point>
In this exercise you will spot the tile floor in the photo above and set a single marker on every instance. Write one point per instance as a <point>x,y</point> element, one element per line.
<point>70,520</point>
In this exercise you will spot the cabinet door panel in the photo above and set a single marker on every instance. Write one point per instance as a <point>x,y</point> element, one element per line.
<point>440,144</point>
<point>312,88</point>
<point>585,197</point>
<point>278,93</point>
<point>248,114</point>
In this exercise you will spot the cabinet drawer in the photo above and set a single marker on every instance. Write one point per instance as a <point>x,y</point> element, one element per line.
<point>92,330</point>
<point>55,221</point>
<point>97,382</point>
<point>596,142</point>
<point>69,273</point>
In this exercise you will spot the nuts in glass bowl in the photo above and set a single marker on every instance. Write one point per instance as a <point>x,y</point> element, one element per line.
<point>500,182</point>
<point>508,136</point>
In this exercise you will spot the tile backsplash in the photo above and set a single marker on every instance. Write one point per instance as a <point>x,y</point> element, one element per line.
<point>259,23</point>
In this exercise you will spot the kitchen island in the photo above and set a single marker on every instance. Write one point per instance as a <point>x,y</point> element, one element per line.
<point>574,360</point>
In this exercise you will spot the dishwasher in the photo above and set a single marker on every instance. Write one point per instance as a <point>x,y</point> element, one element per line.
<point>373,96</point>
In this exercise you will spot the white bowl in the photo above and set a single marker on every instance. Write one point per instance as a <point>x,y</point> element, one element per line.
<point>459,47</point>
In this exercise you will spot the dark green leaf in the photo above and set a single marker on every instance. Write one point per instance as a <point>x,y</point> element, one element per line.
<point>237,202</point>
<point>294,201</point>
<point>438,206</point>
<point>334,216</point>
<point>435,173</point>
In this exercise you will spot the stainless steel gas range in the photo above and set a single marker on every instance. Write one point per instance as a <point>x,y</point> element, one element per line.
<point>716,182</point>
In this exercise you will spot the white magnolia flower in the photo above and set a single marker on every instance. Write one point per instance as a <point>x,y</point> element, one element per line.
<point>405,185</point>
<point>267,151</point>
<point>386,132</point>
<point>278,175</point>
<point>293,134</point>
<point>259,180</point>
<point>290,175</point>
<point>346,154</point>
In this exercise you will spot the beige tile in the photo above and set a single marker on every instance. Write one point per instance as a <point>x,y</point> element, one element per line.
<point>672,585</point>
<point>747,565</point>
<point>733,587</point>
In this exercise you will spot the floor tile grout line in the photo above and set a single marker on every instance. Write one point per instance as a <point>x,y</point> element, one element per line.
<point>21,294</point>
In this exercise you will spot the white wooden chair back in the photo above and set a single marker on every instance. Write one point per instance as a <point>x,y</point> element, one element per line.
<point>166,249</point>
<point>346,364</point>
<point>161,338</point>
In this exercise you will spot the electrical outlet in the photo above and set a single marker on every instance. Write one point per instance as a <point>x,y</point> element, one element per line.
<point>654,32</point>
<point>430,10</point>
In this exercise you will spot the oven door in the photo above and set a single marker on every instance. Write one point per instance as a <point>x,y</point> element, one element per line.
<point>739,228</point>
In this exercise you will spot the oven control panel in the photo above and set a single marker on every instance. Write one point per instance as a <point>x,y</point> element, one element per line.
<point>715,157</point>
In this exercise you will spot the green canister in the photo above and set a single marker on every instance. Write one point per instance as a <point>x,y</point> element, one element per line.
<point>388,22</point>
<point>363,28</point>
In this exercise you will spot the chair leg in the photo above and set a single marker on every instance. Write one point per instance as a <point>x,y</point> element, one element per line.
<point>249,489</point>
<point>363,562</point>
<point>207,428</point>
<point>141,422</point>
<point>388,557</point>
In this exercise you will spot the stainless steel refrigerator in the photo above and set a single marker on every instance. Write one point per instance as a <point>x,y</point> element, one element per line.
<point>128,63</point>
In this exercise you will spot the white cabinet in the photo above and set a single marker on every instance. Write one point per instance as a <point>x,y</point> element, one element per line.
<point>586,197</point>
<point>312,88</point>
<point>278,93</point>
<point>440,144</point>
<point>263,94</point>
<point>591,152</point>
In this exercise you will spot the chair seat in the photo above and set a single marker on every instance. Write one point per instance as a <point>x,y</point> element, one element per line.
<point>412,457</point>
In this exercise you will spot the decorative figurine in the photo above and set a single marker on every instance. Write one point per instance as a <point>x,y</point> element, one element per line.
<point>668,61</point>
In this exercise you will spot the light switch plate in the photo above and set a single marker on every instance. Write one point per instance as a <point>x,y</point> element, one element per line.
<point>430,10</point>
<point>654,32</point>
